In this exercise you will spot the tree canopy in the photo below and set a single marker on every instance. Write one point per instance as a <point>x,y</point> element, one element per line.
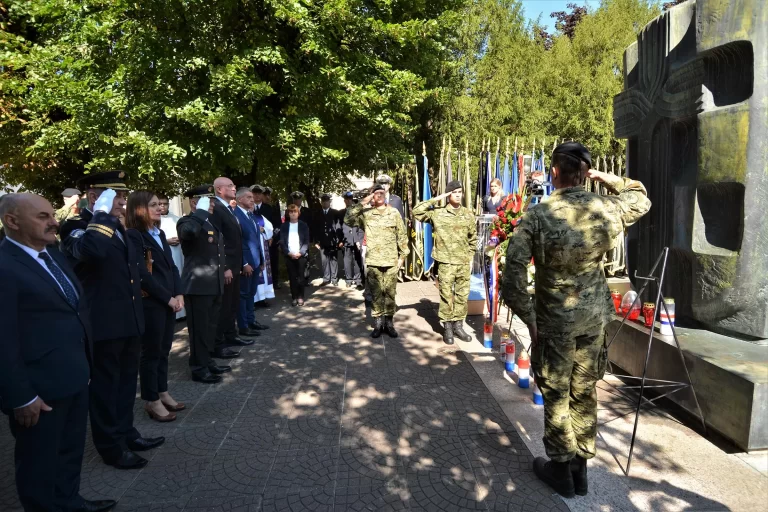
<point>178,91</point>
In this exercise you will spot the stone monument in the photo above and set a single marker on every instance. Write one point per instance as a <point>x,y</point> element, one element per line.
<point>695,113</point>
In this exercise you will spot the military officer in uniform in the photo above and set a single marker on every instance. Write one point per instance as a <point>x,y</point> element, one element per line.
<point>353,243</point>
<point>455,240</point>
<point>387,250</point>
<point>71,199</point>
<point>104,261</point>
<point>567,237</point>
<point>328,237</point>
<point>202,282</point>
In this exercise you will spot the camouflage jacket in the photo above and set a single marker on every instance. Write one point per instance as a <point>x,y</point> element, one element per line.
<point>384,234</point>
<point>64,213</point>
<point>455,231</point>
<point>567,237</point>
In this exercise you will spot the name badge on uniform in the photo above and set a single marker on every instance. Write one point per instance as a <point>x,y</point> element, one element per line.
<point>210,232</point>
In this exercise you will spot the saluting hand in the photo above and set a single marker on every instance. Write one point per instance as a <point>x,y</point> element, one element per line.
<point>29,415</point>
<point>105,200</point>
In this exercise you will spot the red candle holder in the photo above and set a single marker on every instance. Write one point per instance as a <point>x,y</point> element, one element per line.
<point>616,296</point>
<point>649,312</point>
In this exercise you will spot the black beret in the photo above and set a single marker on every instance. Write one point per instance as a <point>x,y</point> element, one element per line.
<point>348,195</point>
<point>453,185</point>
<point>297,195</point>
<point>109,179</point>
<point>257,189</point>
<point>200,191</point>
<point>325,197</point>
<point>376,188</point>
<point>575,150</point>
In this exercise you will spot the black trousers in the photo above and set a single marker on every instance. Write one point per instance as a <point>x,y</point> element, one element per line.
<point>202,320</point>
<point>230,305</point>
<point>353,264</point>
<point>49,455</point>
<point>113,392</point>
<point>296,269</point>
<point>329,261</point>
<point>156,344</point>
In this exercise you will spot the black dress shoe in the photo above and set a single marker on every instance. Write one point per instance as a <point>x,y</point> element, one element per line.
<point>240,342</point>
<point>129,460</point>
<point>218,370</point>
<point>261,304</point>
<point>257,326</point>
<point>248,332</point>
<point>205,377</point>
<point>225,353</point>
<point>145,443</point>
<point>97,506</point>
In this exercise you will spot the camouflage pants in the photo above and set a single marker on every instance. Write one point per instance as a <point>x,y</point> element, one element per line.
<point>566,370</point>
<point>454,291</point>
<point>382,282</point>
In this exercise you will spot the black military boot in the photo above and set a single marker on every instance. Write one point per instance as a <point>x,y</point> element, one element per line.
<point>448,333</point>
<point>458,330</point>
<point>556,474</point>
<point>378,325</point>
<point>579,473</point>
<point>389,327</point>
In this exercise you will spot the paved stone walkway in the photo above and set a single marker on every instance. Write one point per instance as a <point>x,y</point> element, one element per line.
<point>319,416</point>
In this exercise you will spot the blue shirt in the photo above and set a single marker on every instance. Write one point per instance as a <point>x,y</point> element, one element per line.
<point>155,232</point>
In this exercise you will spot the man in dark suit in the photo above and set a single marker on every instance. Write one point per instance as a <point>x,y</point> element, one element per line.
<point>274,249</point>
<point>105,263</point>
<point>224,220</point>
<point>353,243</point>
<point>44,358</point>
<point>202,282</point>
<point>329,238</point>
<point>253,262</point>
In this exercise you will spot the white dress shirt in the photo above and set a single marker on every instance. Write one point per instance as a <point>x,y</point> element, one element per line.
<point>294,244</point>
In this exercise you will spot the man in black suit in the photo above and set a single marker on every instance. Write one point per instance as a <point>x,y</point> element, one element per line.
<point>329,238</point>
<point>225,222</point>
<point>44,358</point>
<point>202,282</point>
<point>105,263</point>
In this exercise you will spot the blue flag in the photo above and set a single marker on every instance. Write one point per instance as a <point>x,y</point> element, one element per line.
<point>427,194</point>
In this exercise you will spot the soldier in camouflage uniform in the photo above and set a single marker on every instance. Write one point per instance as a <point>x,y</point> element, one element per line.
<point>567,236</point>
<point>71,198</point>
<point>387,249</point>
<point>455,239</point>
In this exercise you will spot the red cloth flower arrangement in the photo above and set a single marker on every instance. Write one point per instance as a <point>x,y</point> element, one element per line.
<point>509,214</point>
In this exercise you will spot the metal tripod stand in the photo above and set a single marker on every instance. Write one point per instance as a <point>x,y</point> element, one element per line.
<point>656,383</point>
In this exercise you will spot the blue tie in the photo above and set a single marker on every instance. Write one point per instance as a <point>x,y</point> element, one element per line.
<point>69,292</point>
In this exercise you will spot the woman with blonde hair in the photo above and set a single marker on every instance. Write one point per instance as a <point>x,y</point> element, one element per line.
<point>493,200</point>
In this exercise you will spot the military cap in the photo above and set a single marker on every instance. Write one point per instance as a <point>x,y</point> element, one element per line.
<point>325,197</point>
<point>108,179</point>
<point>257,189</point>
<point>348,195</point>
<point>376,188</point>
<point>575,150</point>
<point>453,185</point>
<point>200,191</point>
<point>384,179</point>
<point>297,195</point>
<point>69,192</point>
<point>268,191</point>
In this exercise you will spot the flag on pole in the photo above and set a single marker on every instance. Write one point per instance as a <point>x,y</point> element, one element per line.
<point>426,226</point>
<point>488,170</point>
<point>514,187</point>
<point>415,262</point>
<point>498,164</point>
<point>448,169</point>
<point>466,185</point>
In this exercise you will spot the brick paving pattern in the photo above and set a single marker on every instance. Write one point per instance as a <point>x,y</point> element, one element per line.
<point>318,416</point>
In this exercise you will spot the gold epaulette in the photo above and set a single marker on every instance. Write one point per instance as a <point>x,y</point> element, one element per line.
<point>104,230</point>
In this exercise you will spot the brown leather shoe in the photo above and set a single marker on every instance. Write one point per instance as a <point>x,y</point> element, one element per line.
<point>175,408</point>
<point>162,419</point>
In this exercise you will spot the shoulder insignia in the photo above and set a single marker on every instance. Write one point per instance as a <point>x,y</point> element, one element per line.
<point>77,233</point>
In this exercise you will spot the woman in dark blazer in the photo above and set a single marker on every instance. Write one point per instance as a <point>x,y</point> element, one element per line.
<point>294,243</point>
<point>162,299</point>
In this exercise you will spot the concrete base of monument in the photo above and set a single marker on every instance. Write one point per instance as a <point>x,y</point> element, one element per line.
<point>730,377</point>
